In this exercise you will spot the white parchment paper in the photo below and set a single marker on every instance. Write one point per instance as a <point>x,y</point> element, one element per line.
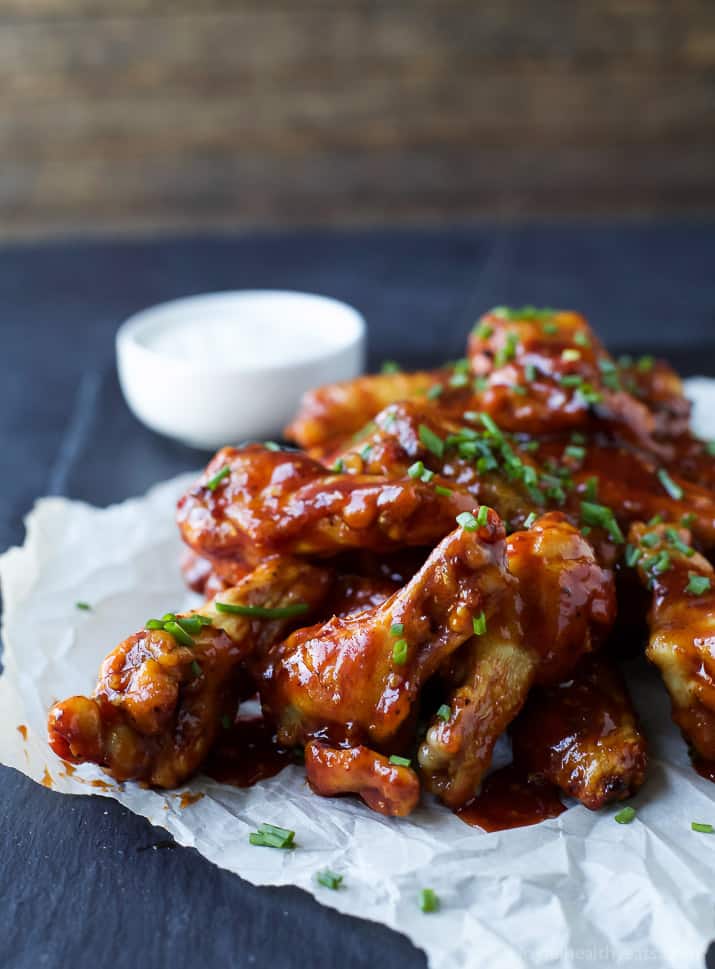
<point>578,890</point>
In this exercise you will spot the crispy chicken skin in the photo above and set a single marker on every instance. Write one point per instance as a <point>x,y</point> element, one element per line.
<point>682,627</point>
<point>583,736</point>
<point>554,603</point>
<point>356,680</point>
<point>332,414</point>
<point>391,789</point>
<point>158,704</point>
<point>285,502</point>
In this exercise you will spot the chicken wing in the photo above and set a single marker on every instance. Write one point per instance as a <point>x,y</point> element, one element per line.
<point>564,602</point>
<point>269,502</point>
<point>161,695</point>
<point>332,414</point>
<point>682,626</point>
<point>355,680</point>
<point>583,735</point>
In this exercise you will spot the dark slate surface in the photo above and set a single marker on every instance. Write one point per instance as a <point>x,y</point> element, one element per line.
<point>83,882</point>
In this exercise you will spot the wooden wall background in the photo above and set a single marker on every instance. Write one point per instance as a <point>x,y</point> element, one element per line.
<point>180,114</point>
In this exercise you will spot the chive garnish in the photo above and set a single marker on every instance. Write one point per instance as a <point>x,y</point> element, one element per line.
<point>581,339</point>
<point>179,634</point>
<point>650,539</point>
<point>397,628</point>
<point>329,879</point>
<point>644,364</point>
<point>697,584</point>
<point>678,544</point>
<point>550,328</point>
<point>154,624</point>
<point>390,366</point>
<point>440,490</point>
<point>431,441</point>
<point>530,519</point>
<point>655,520</point>
<point>263,612</point>
<point>271,836</point>
<point>570,355</point>
<point>479,624</point>
<point>673,489</point>
<point>702,828</point>
<point>226,722</point>
<point>530,372</point>
<point>84,606</point>
<point>467,521</point>
<point>482,515</point>
<point>415,470</point>
<point>429,902</point>
<point>444,712</point>
<point>600,516</point>
<point>272,446</point>
<point>434,391</point>
<point>631,555</point>
<point>338,466</point>
<point>483,331</point>
<point>575,451</point>
<point>458,380</point>
<point>625,815</point>
<point>195,668</point>
<point>688,520</point>
<point>213,483</point>
<point>400,761</point>
<point>399,652</point>
<point>591,491</point>
<point>710,448</point>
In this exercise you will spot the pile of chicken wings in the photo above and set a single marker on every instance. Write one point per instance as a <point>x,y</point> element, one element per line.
<point>449,555</point>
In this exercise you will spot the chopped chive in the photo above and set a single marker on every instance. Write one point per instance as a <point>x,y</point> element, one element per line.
<point>338,466</point>
<point>226,722</point>
<point>550,328</point>
<point>530,519</point>
<point>444,712</point>
<point>431,441</point>
<point>586,530</point>
<point>569,355</point>
<point>190,624</point>
<point>390,366</point>
<point>591,491</point>
<point>195,668</point>
<point>662,564</point>
<point>645,363</point>
<point>364,452</point>
<point>655,520</point>
<point>213,483</point>
<point>688,520</point>
<point>168,616</point>
<point>467,521</point>
<point>271,836</point>
<point>625,815</point>
<point>491,426</point>
<point>576,451</point>
<point>84,606</point>
<point>458,380</point>
<point>399,652</point>
<point>530,446</point>
<point>427,476</point>
<point>678,544</point>
<point>480,384</point>
<point>461,365</point>
<point>271,446</point>
<point>519,390</point>
<point>650,539</point>
<point>508,351</point>
<point>154,624</point>
<point>631,555</point>
<point>710,448</point>
<point>397,628</point>
<point>415,470</point>
<point>673,489</point>
<point>702,828</point>
<point>429,902</point>
<point>577,437</point>
<point>179,634</point>
<point>479,624</point>
<point>600,516</point>
<point>440,490</point>
<point>581,339</point>
<point>435,391</point>
<point>697,584</point>
<point>329,879</point>
<point>483,331</point>
<point>482,515</point>
<point>530,372</point>
<point>400,761</point>
<point>263,612</point>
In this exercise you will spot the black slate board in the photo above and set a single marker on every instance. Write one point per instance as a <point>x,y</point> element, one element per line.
<point>83,882</point>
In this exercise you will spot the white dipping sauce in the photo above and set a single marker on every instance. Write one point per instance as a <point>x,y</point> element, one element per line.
<point>224,367</point>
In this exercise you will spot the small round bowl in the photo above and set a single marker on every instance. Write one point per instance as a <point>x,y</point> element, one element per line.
<point>225,367</point>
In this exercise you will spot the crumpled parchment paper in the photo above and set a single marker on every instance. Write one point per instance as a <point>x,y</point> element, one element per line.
<point>576,890</point>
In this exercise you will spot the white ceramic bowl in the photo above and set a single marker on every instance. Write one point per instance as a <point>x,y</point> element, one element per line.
<point>225,367</point>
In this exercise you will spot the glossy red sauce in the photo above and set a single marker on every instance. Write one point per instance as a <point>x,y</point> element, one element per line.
<point>246,753</point>
<point>706,769</point>
<point>508,800</point>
